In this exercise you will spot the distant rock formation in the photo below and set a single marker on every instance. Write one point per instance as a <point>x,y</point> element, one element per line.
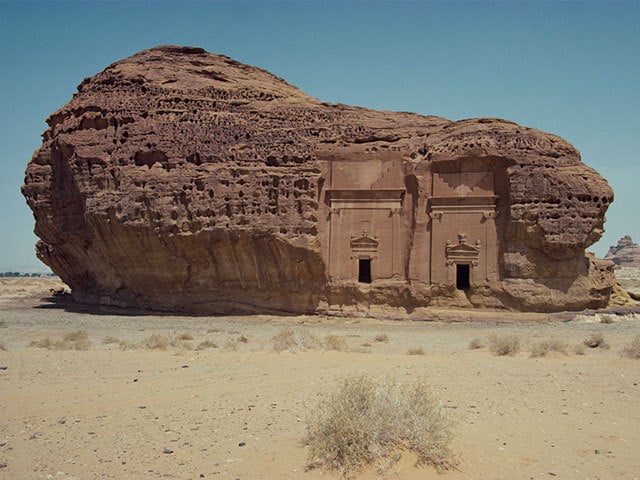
<point>178,180</point>
<point>625,253</point>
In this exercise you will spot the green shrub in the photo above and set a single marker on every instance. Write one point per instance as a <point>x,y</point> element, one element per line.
<point>364,422</point>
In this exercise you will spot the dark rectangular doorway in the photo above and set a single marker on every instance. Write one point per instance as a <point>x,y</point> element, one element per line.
<point>462,276</point>
<point>364,270</point>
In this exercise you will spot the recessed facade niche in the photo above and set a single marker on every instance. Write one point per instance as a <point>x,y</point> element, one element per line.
<point>373,233</point>
<point>462,209</point>
<point>364,228</point>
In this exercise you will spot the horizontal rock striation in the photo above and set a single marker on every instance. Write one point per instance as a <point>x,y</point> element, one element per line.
<point>179,180</point>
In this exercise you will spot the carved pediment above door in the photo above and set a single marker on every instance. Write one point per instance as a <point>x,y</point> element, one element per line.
<point>364,242</point>
<point>462,250</point>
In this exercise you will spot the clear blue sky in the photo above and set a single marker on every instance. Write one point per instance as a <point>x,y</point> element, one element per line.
<point>571,68</point>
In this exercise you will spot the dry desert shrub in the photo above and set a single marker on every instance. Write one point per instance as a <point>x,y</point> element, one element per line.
<point>607,318</point>
<point>46,342</point>
<point>633,349</point>
<point>185,336</point>
<point>579,349</point>
<point>77,340</point>
<point>243,339</point>
<point>206,344</point>
<point>335,342</point>
<point>364,421</point>
<point>156,342</point>
<point>3,324</point>
<point>541,349</point>
<point>183,344</point>
<point>122,344</point>
<point>415,351</point>
<point>596,340</point>
<point>294,340</point>
<point>230,346</point>
<point>3,347</point>
<point>382,338</point>
<point>475,344</point>
<point>76,336</point>
<point>501,345</point>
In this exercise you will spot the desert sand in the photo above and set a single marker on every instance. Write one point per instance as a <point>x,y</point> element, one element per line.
<point>237,411</point>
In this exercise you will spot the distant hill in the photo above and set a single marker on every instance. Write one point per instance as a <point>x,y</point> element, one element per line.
<point>23,274</point>
<point>625,254</point>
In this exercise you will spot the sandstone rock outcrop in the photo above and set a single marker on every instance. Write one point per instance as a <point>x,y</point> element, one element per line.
<point>625,254</point>
<point>180,180</point>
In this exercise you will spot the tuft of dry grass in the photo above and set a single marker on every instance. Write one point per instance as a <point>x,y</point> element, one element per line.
<point>365,421</point>
<point>185,336</point>
<point>579,349</point>
<point>156,342</point>
<point>122,344</point>
<point>382,338</point>
<point>335,342</point>
<point>3,347</point>
<point>415,351</point>
<point>543,348</point>
<point>633,349</point>
<point>501,345</point>
<point>183,344</point>
<point>294,340</point>
<point>243,339</point>
<point>475,344</point>
<point>596,340</point>
<point>76,340</point>
<point>206,344</point>
<point>3,324</point>
<point>607,318</point>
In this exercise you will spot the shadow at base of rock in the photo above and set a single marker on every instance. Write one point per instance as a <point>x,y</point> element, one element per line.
<point>64,301</point>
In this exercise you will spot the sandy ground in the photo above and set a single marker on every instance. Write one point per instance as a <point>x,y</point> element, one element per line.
<point>629,279</point>
<point>112,413</point>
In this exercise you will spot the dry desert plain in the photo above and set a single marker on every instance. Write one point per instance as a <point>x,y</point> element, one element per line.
<point>237,410</point>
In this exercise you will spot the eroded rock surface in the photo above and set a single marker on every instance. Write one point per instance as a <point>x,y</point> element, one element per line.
<point>182,180</point>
